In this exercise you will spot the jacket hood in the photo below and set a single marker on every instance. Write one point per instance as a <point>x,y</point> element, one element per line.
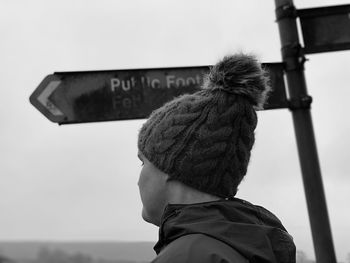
<point>251,230</point>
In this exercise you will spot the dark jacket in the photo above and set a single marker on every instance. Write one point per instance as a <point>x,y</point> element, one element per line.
<point>222,231</point>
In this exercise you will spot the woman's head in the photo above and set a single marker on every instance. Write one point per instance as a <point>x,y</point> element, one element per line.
<point>204,140</point>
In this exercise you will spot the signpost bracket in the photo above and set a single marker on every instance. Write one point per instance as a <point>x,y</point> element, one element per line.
<point>294,57</point>
<point>302,102</point>
<point>284,11</point>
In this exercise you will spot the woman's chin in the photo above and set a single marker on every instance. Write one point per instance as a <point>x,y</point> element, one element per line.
<point>148,218</point>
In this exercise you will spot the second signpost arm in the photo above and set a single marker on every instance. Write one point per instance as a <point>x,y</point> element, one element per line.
<point>300,106</point>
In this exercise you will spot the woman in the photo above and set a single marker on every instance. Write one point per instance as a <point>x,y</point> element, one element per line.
<point>195,151</point>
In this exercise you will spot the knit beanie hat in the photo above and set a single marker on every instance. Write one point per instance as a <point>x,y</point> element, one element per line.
<point>204,139</point>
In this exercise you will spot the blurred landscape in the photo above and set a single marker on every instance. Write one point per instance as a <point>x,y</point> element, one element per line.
<point>89,252</point>
<point>76,252</point>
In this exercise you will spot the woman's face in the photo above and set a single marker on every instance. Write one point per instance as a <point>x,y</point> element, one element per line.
<point>153,191</point>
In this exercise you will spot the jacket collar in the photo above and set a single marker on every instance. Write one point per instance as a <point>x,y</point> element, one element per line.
<point>252,230</point>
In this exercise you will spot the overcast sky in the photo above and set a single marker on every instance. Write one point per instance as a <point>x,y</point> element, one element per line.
<point>79,182</point>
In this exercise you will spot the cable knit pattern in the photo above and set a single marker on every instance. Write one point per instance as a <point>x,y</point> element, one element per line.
<point>204,140</point>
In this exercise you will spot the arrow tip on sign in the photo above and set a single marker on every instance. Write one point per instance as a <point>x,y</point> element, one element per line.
<point>41,98</point>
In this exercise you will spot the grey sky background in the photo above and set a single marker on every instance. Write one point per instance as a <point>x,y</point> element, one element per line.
<point>79,182</point>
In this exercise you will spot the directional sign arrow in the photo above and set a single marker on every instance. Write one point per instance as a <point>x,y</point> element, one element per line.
<point>91,96</point>
<point>40,99</point>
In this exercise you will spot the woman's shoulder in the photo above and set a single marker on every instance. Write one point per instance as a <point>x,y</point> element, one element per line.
<point>198,248</point>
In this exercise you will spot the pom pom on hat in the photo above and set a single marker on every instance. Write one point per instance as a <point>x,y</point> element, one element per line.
<point>240,74</point>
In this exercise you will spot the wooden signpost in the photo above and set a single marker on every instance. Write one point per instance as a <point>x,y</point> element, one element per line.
<point>92,96</point>
<point>324,29</point>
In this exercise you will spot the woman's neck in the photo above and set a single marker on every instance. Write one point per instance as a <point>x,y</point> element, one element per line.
<point>179,193</point>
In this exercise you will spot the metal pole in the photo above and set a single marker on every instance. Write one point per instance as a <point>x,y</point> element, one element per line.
<point>300,106</point>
